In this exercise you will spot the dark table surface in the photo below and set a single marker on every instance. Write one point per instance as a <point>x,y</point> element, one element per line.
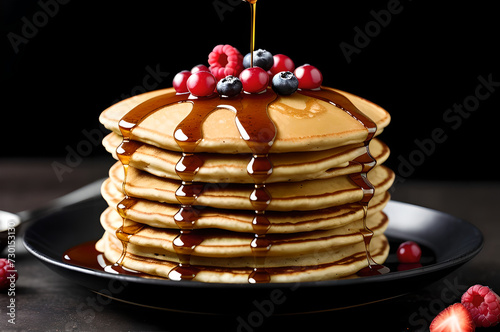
<point>46,301</point>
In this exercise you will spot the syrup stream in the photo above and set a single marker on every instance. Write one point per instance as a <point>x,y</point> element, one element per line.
<point>253,8</point>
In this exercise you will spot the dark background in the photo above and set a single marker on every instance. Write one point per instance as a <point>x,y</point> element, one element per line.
<point>83,56</point>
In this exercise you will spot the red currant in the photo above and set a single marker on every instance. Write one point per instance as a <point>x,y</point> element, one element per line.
<point>409,252</point>
<point>198,68</point>
<point>309,77</point>
<point>180,80</point>
<point>282,63</point>
<point>254,79</point>
<point>201,84</point>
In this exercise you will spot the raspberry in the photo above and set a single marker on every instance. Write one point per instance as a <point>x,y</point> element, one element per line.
<point>7,274</point>
<point>483,304</point>
<point>254,79</point>
<point>309,77</point>
<point>409,252</point>
<point>201,84</point>
<point>225,60</point>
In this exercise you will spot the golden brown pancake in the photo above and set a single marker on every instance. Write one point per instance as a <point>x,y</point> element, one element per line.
<point>303,124</point>
<point>231,168</point>
<point>286,196</point>
<point>161,215</point>
<point>343,261</point>
<point>308,224</point>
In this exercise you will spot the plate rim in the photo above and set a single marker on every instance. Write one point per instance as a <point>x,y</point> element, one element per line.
<point>446,264</point>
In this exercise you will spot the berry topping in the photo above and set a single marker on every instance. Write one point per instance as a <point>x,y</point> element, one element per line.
<point>225,60</point>
<point>282,63</point>
<point>8,275</point>
<point>198,68</point>
<point>483,304</point>
<point>201,84</point>
<point>180,81</point>
<point>409,252</point>
<point>285,83</point>
<point>229,86</point>
<point>261,58</point>
<point>309,77</point>
<point>455,318</point>
<point>254,79</point>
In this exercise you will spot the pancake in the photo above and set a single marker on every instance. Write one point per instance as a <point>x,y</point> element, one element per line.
<point>251,188</point>
<point>342,262</point>
<point>227,244</point>
<point>293,117</point>
<point>286,196</point>
<point>161,215</point>
<point>229,168</point>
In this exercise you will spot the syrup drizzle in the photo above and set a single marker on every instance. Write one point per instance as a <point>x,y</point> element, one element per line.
<point>255,127</point>
<point>258,131</point>
<point>366,161</point>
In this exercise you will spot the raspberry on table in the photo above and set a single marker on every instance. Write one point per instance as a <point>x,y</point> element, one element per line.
<point>483,304</point>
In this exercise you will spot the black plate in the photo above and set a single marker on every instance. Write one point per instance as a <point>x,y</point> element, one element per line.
<point>447,242</point>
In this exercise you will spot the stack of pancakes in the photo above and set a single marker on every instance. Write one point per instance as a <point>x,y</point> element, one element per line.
<point>316,224</point>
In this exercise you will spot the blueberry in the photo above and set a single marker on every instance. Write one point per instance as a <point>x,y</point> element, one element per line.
<point>285,83</point>
<point>229,86</point>
<point>261,58</point>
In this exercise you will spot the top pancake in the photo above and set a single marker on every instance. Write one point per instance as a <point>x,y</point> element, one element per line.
<point>293,116</point>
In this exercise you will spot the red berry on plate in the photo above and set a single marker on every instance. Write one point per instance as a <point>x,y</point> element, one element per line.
<point>201,84</point>
<point>8,275</point>
<point>455,318</point>
<point>282,63</point>
<point>409,252</point>
<point>309,77</point>
<point>198,68</point>
<point>180,80</point>
<point>225,60</point>
<point>483,304</point>
<point>254,79</point>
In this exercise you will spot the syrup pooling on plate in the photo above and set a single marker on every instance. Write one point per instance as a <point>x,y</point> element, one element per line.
<point>366,161</point>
